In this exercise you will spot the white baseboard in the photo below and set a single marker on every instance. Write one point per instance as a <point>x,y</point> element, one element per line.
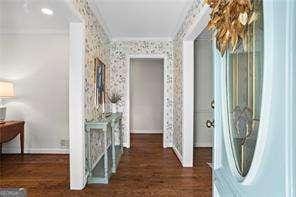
<point>203,144</point>
<point>179,156</point>
<point>126,145</point>
<point>36,150</point>
<point>169,145</point>
<point>147,131</point>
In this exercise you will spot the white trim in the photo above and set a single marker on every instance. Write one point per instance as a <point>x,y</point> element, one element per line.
<point>76,106</point>
<point>150,56</point>
<point>177,153</point>
<point>126,145</point>
<point>182,18</point>
<point>218,130</point>
<point>94,4</point>
<point>74,11</point>
<point>203,144</point>
<point>147,131</point>
<point>188,102</point>
<point>123,1</point>
<point>33,31</point>
<point>78,177</point>
<point>188,84</point>
<point>16,150</point>
<point>142,39</point>
<point>203,19</point>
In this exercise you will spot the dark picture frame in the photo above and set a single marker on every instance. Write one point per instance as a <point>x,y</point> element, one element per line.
<point>99,71</point>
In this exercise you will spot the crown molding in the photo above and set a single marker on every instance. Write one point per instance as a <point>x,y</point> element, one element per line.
<point>93,5</point>
<point>142,39</point>
<point>4,31</point>
<point>182,17</point>
<point>141,1</point>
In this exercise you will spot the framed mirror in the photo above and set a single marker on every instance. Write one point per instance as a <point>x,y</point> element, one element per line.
<point>244,81</point>
<point>99,72</point>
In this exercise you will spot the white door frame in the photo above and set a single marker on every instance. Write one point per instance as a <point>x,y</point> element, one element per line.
<point>188,84</point>
<point>128,143</point>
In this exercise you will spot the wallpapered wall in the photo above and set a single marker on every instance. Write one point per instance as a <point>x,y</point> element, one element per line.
<point>190,20</point>
<point>121,51</point>
<point>115,54</point>
<point>97,44</point>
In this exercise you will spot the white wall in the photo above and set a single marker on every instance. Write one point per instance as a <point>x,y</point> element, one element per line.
<point>203,90</point>
<point>38,65</point>
<point>146,95</point>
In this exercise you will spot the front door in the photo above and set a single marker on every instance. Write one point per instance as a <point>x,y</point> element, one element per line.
<point>254,114</point>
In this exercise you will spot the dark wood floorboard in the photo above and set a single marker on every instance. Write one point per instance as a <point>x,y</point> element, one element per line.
<point>144,170</point>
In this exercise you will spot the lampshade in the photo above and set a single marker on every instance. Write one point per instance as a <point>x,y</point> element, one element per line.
<point>6,89</point>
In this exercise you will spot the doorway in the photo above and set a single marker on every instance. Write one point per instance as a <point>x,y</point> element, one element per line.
<point>146,96</point>
<point>203,93</point>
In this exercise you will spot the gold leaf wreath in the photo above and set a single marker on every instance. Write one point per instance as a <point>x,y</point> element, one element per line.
<point>231,19</point>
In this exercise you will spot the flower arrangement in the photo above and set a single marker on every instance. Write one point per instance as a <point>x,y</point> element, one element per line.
<point>231,19</point>
<point>114,97</point>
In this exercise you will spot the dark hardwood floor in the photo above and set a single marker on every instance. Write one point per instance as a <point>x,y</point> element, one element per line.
<point>144,170</point>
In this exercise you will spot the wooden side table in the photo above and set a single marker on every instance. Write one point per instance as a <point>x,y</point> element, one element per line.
<point>9,130</point>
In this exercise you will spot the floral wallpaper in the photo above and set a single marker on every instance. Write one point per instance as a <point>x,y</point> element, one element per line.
<point>97,44</point>
<point>116,54</point>
<point>121,51</point>
<point>189,21</point>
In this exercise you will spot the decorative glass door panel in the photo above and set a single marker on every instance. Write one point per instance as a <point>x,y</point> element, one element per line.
<point>244,93</point>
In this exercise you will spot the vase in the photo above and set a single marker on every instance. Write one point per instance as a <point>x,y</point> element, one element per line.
<point>114,107</point>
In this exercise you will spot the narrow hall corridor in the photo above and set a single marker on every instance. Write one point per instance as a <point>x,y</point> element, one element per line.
<point>144,170</point>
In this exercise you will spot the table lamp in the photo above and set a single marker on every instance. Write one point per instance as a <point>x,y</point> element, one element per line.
<point>6,91</point>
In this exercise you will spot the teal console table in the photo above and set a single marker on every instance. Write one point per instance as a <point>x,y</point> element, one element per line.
<point>104,147</point>
<point>117,139</point>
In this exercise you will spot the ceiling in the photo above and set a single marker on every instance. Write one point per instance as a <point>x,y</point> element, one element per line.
<point>141,18</point>
<point>26,15</point>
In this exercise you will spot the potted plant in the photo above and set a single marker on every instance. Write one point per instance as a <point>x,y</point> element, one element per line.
<point>114,98</point>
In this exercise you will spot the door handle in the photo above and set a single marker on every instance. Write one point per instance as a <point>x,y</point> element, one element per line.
<point>213,104</point>
<point>210,124</point>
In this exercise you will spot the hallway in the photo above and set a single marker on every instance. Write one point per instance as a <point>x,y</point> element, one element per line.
<point>144,170</point>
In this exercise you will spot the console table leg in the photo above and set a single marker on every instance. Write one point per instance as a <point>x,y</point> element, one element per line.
<point>22,141</point>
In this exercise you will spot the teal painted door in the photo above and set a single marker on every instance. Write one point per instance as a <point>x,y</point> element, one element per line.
<point>265,166</point>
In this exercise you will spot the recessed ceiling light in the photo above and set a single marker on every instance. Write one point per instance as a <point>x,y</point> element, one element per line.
<point>47,11</point>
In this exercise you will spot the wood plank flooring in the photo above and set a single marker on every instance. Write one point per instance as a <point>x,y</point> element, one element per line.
<point>144,170</point>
